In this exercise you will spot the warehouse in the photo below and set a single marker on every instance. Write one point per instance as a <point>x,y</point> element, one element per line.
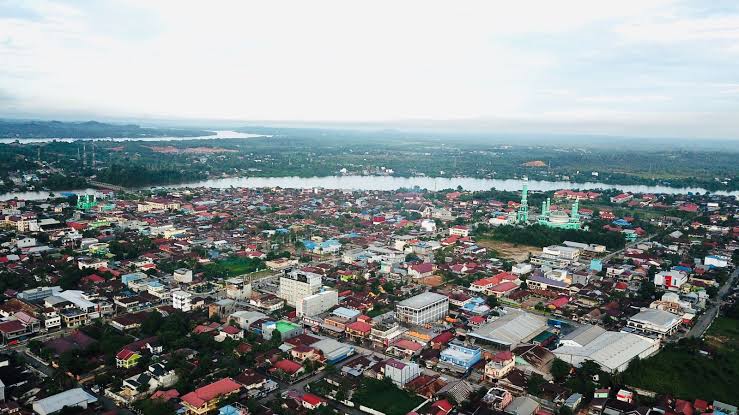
<point>611,350</point>
<point>508,331</point>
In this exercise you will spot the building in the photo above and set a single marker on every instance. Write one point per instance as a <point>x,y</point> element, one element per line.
<point>333,351</point>
<point>500,365</point>
<point>181,300</point>
<point>511,329</point>
<point>672,279</point>
<point>422,308</point>
<point>38,294</point>
<point>286,329</point>
<point>238,289</point>
<point>126,359</point>
<point>296,285</point>
<point>401,372</point>
<point>558,218</point>
<point>613,351</point>
<point>460,357</point>
<point>717,261</point>
<point>183,275</point>
<point>76,397</point>
<point>651,321</point>
<point>317,303</point>
<point>205,399</point>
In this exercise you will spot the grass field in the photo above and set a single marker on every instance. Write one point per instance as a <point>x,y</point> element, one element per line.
<point>509,250</point>
<point>239,266</point>
<point>683,372</point>
<point>383,396</point>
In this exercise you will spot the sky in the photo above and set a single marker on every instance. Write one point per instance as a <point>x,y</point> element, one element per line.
<point>644,68</point>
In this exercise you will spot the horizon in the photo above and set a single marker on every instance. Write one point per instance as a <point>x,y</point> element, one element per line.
<point>655,69</point>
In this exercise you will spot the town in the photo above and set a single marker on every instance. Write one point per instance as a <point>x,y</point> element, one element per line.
<point>289,301</point>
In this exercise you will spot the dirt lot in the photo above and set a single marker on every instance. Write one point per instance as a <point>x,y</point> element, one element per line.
<point>508,250</point>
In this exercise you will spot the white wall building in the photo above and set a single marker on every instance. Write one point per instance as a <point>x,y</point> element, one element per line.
<point>401,372</point>
<point>317,303</point>
<point>654,322</point>
<point>181,300</point>
<point>670,279</point>
<point>422,308</point>
<point>297,285</point>
<point>238,289</point>
<point>183,275</point>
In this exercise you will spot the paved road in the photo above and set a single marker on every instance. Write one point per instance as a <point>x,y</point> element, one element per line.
<point>705,320</point>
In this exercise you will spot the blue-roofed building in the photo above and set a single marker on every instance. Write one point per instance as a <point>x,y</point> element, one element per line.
<point>621,222</point>
<point>543,283</point>
<point>596,265</point>
<point>460,357</point>
<point>126,279</point>
<point>348,313</point>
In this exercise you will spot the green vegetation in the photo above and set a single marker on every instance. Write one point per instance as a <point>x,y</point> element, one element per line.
<point>681,370</point>
<point>538,235</point>
<point>383,396</point>
<point>232,267</point>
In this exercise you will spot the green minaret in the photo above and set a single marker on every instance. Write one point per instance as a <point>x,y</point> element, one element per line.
<point>523,210</point>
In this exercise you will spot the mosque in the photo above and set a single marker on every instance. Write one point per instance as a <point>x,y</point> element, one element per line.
<point>552,219</point>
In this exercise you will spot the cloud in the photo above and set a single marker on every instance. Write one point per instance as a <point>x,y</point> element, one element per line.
<point>374,61</point>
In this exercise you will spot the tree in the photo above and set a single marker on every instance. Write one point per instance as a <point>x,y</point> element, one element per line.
<point>492,301</point>
<point>560,370</point>
<point>535,383</point>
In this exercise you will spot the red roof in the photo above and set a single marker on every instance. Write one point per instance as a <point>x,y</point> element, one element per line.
<point>200,396</point>
<point>312,399</point>
<point>504,287</point>
<point>11,326</point>
<point>443,338</point>
<point>124,354</point>
<point>287,366</point>
<point>503,356</point>
<point>230,330</point>
<point>407,344</point>
<point>359,326</point>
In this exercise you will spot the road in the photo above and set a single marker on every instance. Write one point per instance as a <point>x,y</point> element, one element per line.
<point>705,320</point>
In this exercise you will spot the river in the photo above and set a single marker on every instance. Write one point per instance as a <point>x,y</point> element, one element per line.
<point>393,183</point>
<point>218,135</point>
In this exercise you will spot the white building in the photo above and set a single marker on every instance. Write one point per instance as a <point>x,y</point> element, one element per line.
<point>238,289</point>
<point>718,261</point>
<point>401,372</point>
<point>611,350</point>
<point>670,279</point>
<point>76,397</point>
<point>428,225</point>
<point>422,308</point>
<point>297,285</point>
<point>183,275</point>
<point>654,322</point>
<point>181,300</point>
<point>317,303</point>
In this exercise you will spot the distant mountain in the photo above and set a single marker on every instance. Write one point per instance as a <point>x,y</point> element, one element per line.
<point>88,129</point>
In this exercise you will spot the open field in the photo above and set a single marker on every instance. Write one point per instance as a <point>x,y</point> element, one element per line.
<point>509,250</point>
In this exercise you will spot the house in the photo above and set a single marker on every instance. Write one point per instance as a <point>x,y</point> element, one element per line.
<point>500,365</point>
<point>126,359</point>
<point>311,401</point>
<point>422,270</point>
<point>288,367</point>
<point>460,357</point>
<point>205,399</point>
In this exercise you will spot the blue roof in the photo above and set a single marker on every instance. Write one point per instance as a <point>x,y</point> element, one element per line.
<point>621,222</point>
<point>548,281</point>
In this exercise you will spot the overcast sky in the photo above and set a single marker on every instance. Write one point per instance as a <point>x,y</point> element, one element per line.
<point>645,67</point>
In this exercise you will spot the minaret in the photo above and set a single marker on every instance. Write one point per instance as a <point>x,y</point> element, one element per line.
<point>575,215</point>
<point>523,210</point>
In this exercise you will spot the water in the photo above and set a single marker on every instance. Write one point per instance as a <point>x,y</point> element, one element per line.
<point>218,135</point>
<point>394,183</point>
